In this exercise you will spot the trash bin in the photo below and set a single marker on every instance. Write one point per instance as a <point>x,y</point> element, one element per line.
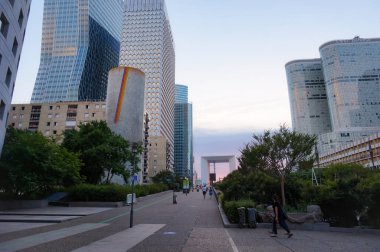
<point>241,212</point>
<point>252,217</point>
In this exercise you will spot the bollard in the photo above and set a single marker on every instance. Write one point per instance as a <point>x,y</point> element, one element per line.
<point>241,212</point>
<point>251,217</point>
<point>174,199</point>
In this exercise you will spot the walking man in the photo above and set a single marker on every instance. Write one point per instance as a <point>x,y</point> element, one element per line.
<point>279,217</point>
<point>204,191</point>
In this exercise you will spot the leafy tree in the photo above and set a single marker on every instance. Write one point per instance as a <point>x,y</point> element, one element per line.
<point>103,153</point>
<point>32,166</point>
<point>277,153</point>
<point>165,177</point>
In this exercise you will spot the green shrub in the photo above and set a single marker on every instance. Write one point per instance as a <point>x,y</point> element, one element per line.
<point>111,193</point>
<point>89,192</point>
<point>374,206</point>
<point>230,208</point>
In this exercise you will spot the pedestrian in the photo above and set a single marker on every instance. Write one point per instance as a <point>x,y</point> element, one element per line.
<point>279,217</point>
<point>204,191</point>
<point>210,192</point>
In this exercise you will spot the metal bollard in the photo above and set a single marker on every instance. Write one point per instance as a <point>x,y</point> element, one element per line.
<point>241,212</point>
<point>174,199</point>
<point>251,217</point>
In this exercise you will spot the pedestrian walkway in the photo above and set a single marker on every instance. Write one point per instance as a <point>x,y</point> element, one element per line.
<point>194,224</point>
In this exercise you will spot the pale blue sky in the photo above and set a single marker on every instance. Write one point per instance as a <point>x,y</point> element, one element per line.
<point>231,54</point>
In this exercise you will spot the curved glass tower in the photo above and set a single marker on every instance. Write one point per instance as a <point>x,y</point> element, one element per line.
<point>307,95</point>
<point>80,44</point>
<point>13,19</point>
<point>352,75</point>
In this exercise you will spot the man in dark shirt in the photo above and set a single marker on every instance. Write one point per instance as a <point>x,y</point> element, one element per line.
<point>279,217</point>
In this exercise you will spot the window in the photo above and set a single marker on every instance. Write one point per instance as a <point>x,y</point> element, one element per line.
<point>4,25</point>
<point>86,115</point>
<point>20,125</point>
<point>57,107</point>
<point>2,109</point>
<point>93,114</point>
<point>55,123</point>
<point>50,107</point>
<point>54,132</point>
<point>13,108</point>
<point>20,18</point>
<point>8,77</point>
<point>48,124</point>
<point>14,47</point>
<point>22,108</point>
<point>86,106</point>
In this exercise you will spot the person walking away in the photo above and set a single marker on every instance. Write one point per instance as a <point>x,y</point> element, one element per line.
<point>210,192</point>
<point>204,191</point>
<point>279,217</point>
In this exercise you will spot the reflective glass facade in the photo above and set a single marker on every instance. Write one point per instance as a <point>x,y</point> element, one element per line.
<point>183,133</point>
<point>147,44</point>
<point>13,20</point>
<point>307,95</point>
<point>80,44</point>
<point>352,72</point>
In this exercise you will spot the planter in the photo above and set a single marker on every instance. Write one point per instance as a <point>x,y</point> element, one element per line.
<point>22,204</point>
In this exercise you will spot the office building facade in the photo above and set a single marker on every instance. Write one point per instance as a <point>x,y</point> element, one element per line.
<point>147,44</point>
<point>351,73</point>
<point>80,44</point>
<point>183,134</point>
<point>13,20</point>
<point>307,95</point>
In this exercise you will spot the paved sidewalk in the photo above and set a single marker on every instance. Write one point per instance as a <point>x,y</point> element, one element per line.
<point>194,224</point>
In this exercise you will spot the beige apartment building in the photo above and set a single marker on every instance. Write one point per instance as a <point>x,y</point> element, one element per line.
<point>51,119</point>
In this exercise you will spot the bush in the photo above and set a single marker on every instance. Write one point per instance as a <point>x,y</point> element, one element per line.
<point>111,192</point>
<point>230,208</point>
<point>89,192</point>
<point>374,206</point>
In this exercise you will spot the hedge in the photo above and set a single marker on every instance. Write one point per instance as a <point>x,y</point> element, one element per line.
<point>230,208</point>
<point>110,193</point>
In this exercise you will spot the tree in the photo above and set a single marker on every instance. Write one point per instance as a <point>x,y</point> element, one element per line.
<point>165,177</point>
<point>278,153</point>
<point>32,166</point>
<point>103,153</point>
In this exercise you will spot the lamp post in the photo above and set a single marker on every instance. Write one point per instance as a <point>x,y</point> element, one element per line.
<point>134,152</point>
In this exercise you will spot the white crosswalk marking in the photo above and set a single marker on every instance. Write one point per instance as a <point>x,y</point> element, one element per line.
<point>122,241</point>
<point>34,240</point>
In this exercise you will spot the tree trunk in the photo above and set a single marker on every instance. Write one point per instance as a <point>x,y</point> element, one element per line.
<point>283,190</point>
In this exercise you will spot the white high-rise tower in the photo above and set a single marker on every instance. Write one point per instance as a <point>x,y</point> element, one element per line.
<point>147,44</point>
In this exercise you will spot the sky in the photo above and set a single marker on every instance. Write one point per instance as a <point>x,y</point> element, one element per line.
<point>231,54</point>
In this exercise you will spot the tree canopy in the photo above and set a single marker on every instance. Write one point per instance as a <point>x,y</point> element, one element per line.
<point>32,166</point>
<point>277,152</point>
<point>103,153</point>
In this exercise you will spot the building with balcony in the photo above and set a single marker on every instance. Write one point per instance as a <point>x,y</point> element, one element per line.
<point>13,20</point>
<point>51,119</point>
<point>80,44</point>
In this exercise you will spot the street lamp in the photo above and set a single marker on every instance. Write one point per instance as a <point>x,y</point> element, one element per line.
<point>134,152</point>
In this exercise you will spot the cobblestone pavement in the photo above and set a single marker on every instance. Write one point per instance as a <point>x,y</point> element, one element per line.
<point>194,224</point>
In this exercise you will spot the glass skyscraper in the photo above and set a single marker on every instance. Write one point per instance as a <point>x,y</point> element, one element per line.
<point>13,20</point>
<point>307,95</point>
<point>351,79</point>
<point>183,133</point>
<point>80,44</point>
<point>147,44</point>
